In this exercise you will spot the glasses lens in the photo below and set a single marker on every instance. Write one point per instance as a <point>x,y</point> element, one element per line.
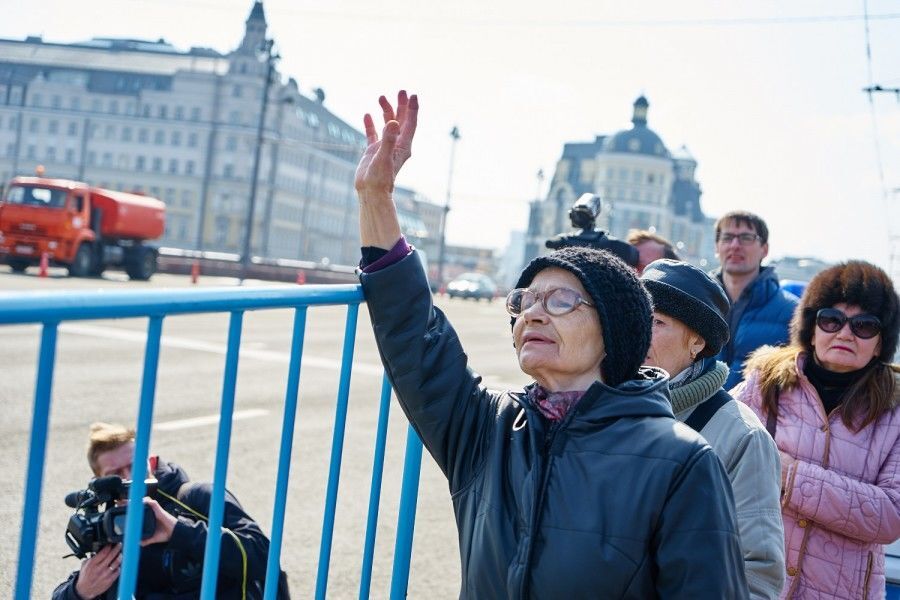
<point>561,301</point>
<point>518,300</point>
<point>865,326</point>
<point>830,320</point>
<point>747,238</point>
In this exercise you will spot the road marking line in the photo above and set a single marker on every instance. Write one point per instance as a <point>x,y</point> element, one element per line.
<point>237,415</point>
<point>127,335</point>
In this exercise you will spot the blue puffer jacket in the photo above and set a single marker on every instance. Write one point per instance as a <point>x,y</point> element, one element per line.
<point>765,315</point>
<point>618,500</point>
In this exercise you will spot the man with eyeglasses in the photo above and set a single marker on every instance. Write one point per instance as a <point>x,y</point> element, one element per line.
<point>760,310</point>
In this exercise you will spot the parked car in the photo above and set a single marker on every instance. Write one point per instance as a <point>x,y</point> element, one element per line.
<point>892,570</point>
<point>472,285</point>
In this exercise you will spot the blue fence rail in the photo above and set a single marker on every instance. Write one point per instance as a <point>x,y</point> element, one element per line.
<point>50,309</point>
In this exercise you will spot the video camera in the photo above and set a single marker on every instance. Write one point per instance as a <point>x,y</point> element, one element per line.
<point>583,215</point>
<point>91,528</point>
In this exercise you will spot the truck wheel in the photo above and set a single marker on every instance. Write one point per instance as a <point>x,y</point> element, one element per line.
<point>83,263</point>
<point>141,265</point>
<point>17,265</point>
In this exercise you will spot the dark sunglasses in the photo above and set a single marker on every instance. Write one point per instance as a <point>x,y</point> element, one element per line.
<point>556,302</point>
<point>831,320</point>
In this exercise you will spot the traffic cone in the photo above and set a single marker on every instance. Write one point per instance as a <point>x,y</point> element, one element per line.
<point>195,271</point>
<point>45,263</point>
<point>301,277</point>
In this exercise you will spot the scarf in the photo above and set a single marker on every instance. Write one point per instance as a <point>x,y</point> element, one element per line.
<point>697,383</point>
<point>553,405</point>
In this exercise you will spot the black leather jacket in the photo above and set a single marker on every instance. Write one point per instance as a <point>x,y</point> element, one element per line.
<point>618,500</point>
<point>173,570</point>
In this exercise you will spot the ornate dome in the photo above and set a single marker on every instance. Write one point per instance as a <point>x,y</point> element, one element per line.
<point>640,139</point>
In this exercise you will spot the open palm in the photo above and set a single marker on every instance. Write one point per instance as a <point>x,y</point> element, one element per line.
<point>382,160</point>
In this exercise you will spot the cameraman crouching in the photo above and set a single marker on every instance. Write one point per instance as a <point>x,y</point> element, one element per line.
<point>171,561</point>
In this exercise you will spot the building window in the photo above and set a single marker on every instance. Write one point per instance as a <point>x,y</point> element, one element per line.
<point>637,176</point>
<point>35,99</point>
<point>53,126</point>
<point>126,134</point>
<point>31,152</point>
<point>159,138</point>
<point>236,91</point>
<point>231,143</point>
<point>114,107</point>
<point>140,163</point>
<point>51,153</point>
<point>189,167</point>
<point>157,164</point>
<point>55,101</point>
<point>163,111</point>
<point>95,105</point>
<point>129,108</point>
<point>33,126</point>
<point>195,113</point>
<point>192,140</point>
<point>70,156</point>
<point>176,138</point>
<point>173,166</point>
<point>73,128</point>
<point>228,171</point>
<point>75,103</point>
<point>145,110</point>
<point>142,136</point>
<point>107,159</point>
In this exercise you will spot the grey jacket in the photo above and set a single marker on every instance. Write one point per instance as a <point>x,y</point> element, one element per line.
<point>753,465</point>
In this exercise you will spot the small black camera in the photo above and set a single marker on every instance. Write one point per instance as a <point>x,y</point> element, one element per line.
<point>583,215</point>
<point>91,527</point>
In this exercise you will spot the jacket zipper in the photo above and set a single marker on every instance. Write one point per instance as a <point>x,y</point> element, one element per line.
<point>868,574</point>
<point>539,499</point>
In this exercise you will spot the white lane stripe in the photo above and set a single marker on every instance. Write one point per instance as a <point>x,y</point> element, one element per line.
<point>128,335</point>
<point>237,415</point>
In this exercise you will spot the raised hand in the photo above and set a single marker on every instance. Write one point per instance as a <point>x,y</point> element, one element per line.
<point>382,160</point>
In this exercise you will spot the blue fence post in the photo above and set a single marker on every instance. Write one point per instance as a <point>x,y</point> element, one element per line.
<point>285,454</point>
<point>406,520</point>
<point>40,422</point>
<point>337,445</point>
<point>217,501</point>
<point>384,412</point>
<point>135,514</point>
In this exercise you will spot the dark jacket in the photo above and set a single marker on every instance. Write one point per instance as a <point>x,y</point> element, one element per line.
<point>618,500</point>
<point>760,317</point>
<point>174,569</point>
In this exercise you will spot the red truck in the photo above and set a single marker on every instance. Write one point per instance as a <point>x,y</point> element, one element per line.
<point>81,227</point>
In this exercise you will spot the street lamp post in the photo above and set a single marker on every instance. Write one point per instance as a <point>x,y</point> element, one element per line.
<point>271,57</point>
<point>454,134</point>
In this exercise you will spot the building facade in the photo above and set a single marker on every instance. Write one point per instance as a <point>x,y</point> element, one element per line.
<point>642,184</point>
<point>183,126</point>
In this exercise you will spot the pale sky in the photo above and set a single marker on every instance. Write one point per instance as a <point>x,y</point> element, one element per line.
<point>766,95</point>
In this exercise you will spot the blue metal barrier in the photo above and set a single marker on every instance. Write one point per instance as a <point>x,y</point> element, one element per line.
<point>49,309</point>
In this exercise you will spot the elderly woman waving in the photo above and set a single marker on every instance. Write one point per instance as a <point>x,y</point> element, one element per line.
<point>830,399</point>
<point>581,486</point>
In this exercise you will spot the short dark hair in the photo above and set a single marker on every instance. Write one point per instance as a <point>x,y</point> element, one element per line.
<point>639,236</point>
<point>743,217</point>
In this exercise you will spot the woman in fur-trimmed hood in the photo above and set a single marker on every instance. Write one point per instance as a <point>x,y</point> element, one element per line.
<point>830,399</point>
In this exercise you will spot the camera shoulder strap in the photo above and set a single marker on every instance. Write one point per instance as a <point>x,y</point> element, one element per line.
<point>705,411</point>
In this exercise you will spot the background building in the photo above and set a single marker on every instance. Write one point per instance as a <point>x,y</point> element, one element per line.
<point>643,186</point>
<point>183,127</point>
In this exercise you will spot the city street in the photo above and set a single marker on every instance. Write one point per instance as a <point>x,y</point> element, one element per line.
<point>98,370</point>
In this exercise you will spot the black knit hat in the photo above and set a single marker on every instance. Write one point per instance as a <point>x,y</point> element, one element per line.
<point>620,300</point>
<point>686,293</point>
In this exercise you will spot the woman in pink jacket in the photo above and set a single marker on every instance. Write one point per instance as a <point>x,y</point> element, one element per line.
<point>830,399</point>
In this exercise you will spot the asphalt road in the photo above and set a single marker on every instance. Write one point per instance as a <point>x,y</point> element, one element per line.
<point>98,370</point>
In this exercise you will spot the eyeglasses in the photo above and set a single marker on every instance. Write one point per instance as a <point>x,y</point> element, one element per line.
<point>744,239</point>
<point>831,320</point>
<point>556,302</point>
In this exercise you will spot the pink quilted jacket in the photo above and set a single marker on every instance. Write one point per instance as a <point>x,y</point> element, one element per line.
<point>841,500</point>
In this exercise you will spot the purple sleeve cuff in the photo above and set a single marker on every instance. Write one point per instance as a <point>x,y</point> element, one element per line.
<point>400,250</point>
